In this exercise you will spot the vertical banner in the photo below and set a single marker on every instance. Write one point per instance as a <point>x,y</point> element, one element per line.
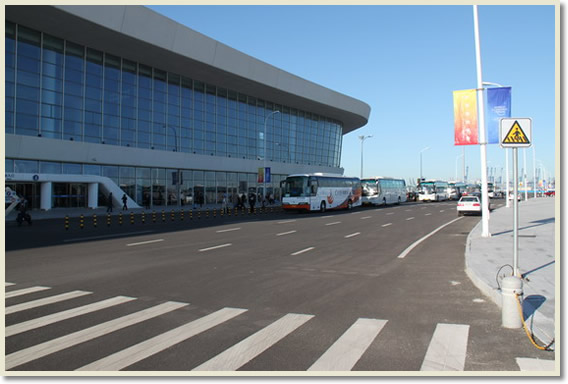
<point>267,174</point>
<point>260,178</point>
<point>465,117</point>
<point>499,106</point>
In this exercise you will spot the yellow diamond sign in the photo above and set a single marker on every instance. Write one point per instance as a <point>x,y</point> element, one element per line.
<point>516,132</point>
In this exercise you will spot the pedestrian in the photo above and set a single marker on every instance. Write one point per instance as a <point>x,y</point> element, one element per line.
<point>109,203</point>
<point>224,203</point>
<point>252,201</point>
<point>23,214</point>
<point>147,200</point>
<point>124,200</point>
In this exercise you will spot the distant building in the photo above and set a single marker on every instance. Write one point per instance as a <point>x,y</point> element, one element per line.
<point>121,99</point>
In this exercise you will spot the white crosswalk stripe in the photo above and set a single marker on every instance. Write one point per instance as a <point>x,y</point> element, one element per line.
<point>349,348</point>
<point>25,291</point>
<point>447,349</point>
<point>60,316</point>
<point>241,353</point>
<point>156,344</point>
<point>45,301</point>
<point>40,350</point>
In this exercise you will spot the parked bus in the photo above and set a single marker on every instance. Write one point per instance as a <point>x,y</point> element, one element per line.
<point>383,191</point>
<point>319,191</point>
<point>455,190</point>
<point>433,190</point>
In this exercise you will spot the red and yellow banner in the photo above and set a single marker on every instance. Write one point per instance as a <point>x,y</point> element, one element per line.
<point>465,117</point>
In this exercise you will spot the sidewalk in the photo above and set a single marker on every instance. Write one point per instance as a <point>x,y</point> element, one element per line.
<point>536,260</point>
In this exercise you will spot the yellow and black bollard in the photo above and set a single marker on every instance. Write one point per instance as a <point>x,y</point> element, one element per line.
<point>143,217</point>
<point>181,215</point>
<point>172,215</point>
<point>120,218</point>
<point>131,217</point>
<point>95,221</point>
<point>108,219</point>
<point>214,212</point>
<point>191,215</point>
<point>82,221</point>
<point>163,216</point>
<point>153,216</point>
<point>199,214</point>
<point>207,213</point>
<point>66,222</point>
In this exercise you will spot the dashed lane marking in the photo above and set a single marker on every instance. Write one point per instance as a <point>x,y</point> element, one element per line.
<point>25,291</point>
<point>410,218</point>
<point>285,233</point>
<point>352,235</point>
<point>144,242</point>
<point>228,230</point>
<point>334,223</point>
<point>302,251</point>
<point>386,225</point>
<point>215,247</point>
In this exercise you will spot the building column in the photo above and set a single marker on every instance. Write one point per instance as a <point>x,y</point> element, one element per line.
<point>45,193</point>
<point>93,194</point>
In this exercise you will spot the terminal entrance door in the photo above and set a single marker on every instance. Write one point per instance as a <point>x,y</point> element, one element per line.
<point>69,195</point>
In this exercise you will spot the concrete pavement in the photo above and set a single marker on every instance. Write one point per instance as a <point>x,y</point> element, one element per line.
<point>488,260</point>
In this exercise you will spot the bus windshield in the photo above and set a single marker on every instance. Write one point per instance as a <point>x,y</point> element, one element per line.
<point>426,187</point>
<point>296,186</point>
<point>369,187</point>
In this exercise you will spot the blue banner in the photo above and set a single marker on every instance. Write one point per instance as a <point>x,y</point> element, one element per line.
<point>498,107</point>
<point>267,174</point>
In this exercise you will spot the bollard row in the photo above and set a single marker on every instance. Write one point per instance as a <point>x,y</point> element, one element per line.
<point>205,214</point>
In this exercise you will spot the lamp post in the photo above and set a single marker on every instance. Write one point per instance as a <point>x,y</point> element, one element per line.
<point>423,149</point>
<point>363,138</point>
<point>457,158</point>
<point>264,167</point>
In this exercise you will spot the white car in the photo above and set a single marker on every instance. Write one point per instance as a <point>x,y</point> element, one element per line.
<point>511,196</point>
<point>469,204</point>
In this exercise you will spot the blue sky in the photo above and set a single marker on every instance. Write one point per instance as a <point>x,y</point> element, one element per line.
<point>405,62</point>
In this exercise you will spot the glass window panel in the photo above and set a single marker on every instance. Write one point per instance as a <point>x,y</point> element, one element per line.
<point>90,169</point>
<point>49,167</point>
<point>25,166</point>
<point>72,169</point>
<point>9,165</point>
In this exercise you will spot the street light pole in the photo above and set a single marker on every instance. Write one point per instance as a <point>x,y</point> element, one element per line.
<point>423,149</point>
<point>264,162</point>
<point>363,138</point>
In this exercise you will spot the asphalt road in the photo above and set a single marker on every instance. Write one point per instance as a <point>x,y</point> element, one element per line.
<point>276,292</point>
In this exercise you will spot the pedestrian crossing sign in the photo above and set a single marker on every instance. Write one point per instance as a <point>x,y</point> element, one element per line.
<point>516,132</point>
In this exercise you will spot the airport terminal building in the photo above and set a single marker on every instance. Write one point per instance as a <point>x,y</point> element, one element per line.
<point>121,99</point>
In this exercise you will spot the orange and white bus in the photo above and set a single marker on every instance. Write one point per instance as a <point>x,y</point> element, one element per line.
<point>320,192</point>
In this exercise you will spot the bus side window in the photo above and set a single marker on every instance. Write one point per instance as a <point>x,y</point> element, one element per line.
<point>313,187</point>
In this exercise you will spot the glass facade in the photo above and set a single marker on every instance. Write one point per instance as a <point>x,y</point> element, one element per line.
<point>61,90</point>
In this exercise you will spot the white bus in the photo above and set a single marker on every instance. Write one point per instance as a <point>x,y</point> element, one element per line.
<point>320,191</point>
<point>433,190</point>
<point>383,190</point>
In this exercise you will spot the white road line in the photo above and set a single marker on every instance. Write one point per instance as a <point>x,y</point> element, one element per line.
<point>327,217</point>
<point>349,348</point>
<point>68,314</point>
<point>442,210</point>
<point>410,218</point>
<point>408,210</point>
<point>140,351</point>
<point>356,213</point>
<point>144,242</point>
<point>228,230</point>
<point>285,233</point>
<point>45,301</point>
<point>366,217</point>
<point>8,284</point>
<point>302,251</point>
<point>334,223</point>
<point>390,213</point>
<point>286,222</point>
<point>40,350</point>
<point>25,291</point>
<point>540,365</point>
<point>413,245</point>
<point>447,349</point>
<point>215,247</point>
<point>246,350</point>
<point>427,214</point>
<point>352,235</point>
<point>386,225</point>
<point>106,236</point>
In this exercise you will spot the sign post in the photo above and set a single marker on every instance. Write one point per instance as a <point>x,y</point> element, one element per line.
<point>515,133</point>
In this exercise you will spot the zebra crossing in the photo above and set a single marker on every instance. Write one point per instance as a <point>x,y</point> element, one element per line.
<point>446,351</point>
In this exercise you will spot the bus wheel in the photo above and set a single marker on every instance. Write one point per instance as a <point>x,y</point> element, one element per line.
<point>349,205</point>
<point>322,206</point>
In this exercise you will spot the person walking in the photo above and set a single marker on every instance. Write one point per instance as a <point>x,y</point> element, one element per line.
<point>109,203</point>
<point>124,200</point>
<point>252,201</point>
